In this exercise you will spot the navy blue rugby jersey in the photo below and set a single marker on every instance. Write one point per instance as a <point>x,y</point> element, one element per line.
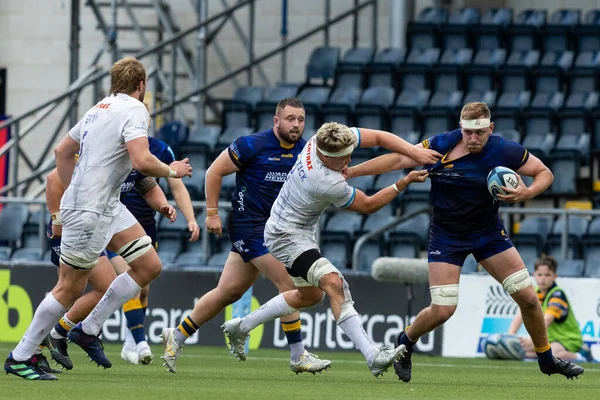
<point>130,197</point>
<point>264,163</point>
<point>459,194</point>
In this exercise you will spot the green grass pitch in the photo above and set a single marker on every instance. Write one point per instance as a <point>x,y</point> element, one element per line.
<point>213,373</point>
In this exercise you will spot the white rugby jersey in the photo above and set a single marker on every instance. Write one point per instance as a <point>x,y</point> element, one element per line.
<point>104,162</point>
<point>309,189</point>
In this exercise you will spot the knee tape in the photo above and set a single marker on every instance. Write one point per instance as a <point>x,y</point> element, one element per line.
<point>319,269</point>
<point>77,262</point>
<point>135,248</point>
<point>517,281</point>
<point>444,295</point>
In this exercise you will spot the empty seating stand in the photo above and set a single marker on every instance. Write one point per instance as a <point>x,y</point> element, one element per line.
<point>489,33</point>
<point>587,34</point>
<point>558,33</point>
<point>455,33</point>
<point>381,71</point>
<point>352,68</point>
<point>522,34</point>
<point>422,33</point>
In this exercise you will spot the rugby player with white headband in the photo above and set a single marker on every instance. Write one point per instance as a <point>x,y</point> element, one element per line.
<point>314,183</point>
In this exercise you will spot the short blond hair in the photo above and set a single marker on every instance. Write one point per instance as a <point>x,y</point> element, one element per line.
<point>475,110</point>
<point>333,137</point>
<point>125,75</point>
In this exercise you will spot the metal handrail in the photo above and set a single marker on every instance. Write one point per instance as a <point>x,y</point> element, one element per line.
<point>564,213</point>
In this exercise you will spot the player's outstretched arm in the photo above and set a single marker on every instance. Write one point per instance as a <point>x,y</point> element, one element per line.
<point>155,197</point>
<point>64,154</point>
<point>146,163</point>
<point>382,164</point>
<point>222,166</point>
<point>542,179</point>
<point>387,140</point>
<point>370,204</point>
<point>184,202</point>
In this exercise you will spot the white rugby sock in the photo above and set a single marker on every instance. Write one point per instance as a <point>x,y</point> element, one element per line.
<point>353,328</point>
<point>46,316</point>
<point>122,289</point>
<point>129,340</point>
<point>274,308</point>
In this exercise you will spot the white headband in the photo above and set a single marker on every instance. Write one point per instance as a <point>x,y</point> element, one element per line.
<point>341,153</point>
<point>475,123</point>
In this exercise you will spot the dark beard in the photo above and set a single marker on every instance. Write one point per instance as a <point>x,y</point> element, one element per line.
<point>287,137</point>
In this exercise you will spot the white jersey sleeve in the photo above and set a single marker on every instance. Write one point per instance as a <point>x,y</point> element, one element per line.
<point>340,194</point>
<point>75,131</point>
<point>136,125</point>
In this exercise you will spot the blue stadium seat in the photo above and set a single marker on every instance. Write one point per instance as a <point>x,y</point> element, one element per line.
<point>190,259</point>
<point>175,134</point>
<point>372,109</point>
<point>570,268</point>
<point>5,252</point>
<point>27,254</point>
<point>265,109</point>
<point>422,32</point>
<point>404,114</point>
<point>540,144</point>
<point>352,68</point>
<point>341,105</point>
<point>448,74</point>
<point>202,143</point>
<point>533,233</point>
<point>416,197</point>
<point>592,265</point>
<point>364,183</point>
<point>417,227</point>
<point>575,116</point>
<point>313,98</point>
<point>550,75</point>
<point>239,110</point>
<point>12,220</point>
<point>556,35</point>
<point>167,257</point>
<point>510,105</point>
<point>227,187</point>
<point>195,185</point>
<point>218,259</point>
<point>342,224</point>
<point>578,227</point>
<point>522,34</point>
<point>488,97</point>
<point>565,183</point>
<point>587,34</point>
<point>488,34</point>
<point>456,32</point>
<point>336,251</point>
<point>370,251</point>
<point>509,134</point>
<point>573,146</point>
<point>441,114</point>
<point>480,76</point>
<point>382,69</point>
<point>230,135</point>
<point>414,74</point>
<point>583,76</point>
<point>515,75</point>
<point>322,64</point>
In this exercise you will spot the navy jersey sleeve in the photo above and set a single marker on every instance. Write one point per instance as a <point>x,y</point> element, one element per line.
<point>167,156</point>
<point>241,151</point>
<point>514,156</point>
<point>443,142</point>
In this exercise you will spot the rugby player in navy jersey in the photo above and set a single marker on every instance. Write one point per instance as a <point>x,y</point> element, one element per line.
<point>465,221</point>
<point>261,162</point>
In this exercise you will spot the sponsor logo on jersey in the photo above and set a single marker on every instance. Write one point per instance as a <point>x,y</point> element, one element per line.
<point>276,176</point>
<point>308,160</point>
<point>449,166</point>
<point>235,152</point>
<point>127,186</point>
<point>435,252</point>
<point>274,159</point>
<point>288,155</point>
<point>102,105</point>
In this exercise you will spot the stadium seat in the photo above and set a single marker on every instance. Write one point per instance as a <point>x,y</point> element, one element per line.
<point>27,254</point>
<point>587,34</point>
<point>202,143</point>
<point>239,110</point>
<point>583,76</point>
<point>341,105</point>
<point>510,105</point>
<point>321,65</point>
<point>382,69</point>
<point>578,227</point>
<point>313,98</point>
<point>573,146</point>
<point>190,259</point>
<point>167,257</point>
<point>550,75</point>
<point>515,75</point>
<point>533,231</point>
<point>414,74</point>
<point>488,34</point>
<point>556,35</point>
<point>352,68</point>
<point>480,75</point>
<point>488,97</point>
<point>364,183</point>
<point>456,32</point>
<point>227,187</point>
<point>448,75</point>
<point>371,250</point>
<point>218,259</point>
<point>570,268</point>
<point>592,266</point>
<point>265,109</point>
<point>195,185</point>
<point>416,197</point>
<point>540,144</point>
<point>12,220</point>
<point>372,109</point>
<point>522,34</point>
<point>422,32</point>
<point>509,134</point>
<point>411,235</point>
<point>175,134</point>
<point>336,251</point>
<point>565,183</point>
<point>342,225</point>
<point>232,134</point>
<point>404,114</point>
<point>441,114</point>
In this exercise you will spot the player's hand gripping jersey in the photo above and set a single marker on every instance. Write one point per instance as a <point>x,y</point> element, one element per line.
<point>459,194</point>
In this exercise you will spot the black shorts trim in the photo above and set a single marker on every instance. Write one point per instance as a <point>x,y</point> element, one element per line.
<point>303,263</point>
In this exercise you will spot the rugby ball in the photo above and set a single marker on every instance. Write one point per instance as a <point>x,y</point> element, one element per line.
<point>503,347</point>
<point>501,176</point>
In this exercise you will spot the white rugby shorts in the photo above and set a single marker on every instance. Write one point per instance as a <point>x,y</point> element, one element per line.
<point>85,234</point>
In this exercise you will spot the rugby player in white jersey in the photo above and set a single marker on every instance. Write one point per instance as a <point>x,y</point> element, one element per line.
<point>111,138</point>
<point>314,183</point>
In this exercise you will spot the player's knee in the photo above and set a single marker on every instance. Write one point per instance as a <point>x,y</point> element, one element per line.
<point>515,283</point>
<point>135,249</point>
<point>444,313</point>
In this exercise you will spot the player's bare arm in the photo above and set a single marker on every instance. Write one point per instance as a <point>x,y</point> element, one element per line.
<point>184,202</point>
<point>382,164</point>
<point>387,140</point>
<point>156,198</point>
<point>146,163</point>
<point>64,154</point>
<point>54,192</point>
<point>221,167</point>
<point>542,179</point>
<point>370,204</point>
